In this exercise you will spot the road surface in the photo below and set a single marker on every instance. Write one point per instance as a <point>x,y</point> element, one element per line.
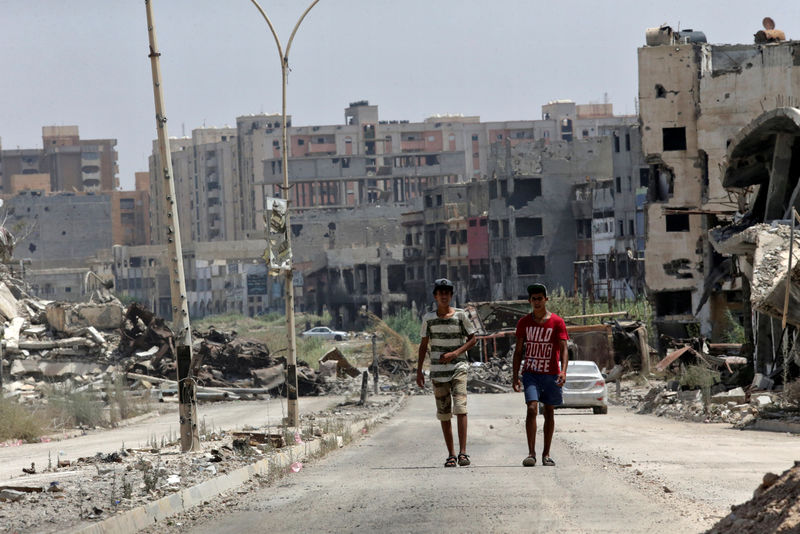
<point>619,472</point>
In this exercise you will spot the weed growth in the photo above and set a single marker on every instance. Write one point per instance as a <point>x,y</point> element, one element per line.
<point>16,422</point>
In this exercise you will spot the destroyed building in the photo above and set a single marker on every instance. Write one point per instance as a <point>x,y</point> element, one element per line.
<point>543,224</point>
<point>694,99</point>
<point>448,238</point>
<point>761,168</point>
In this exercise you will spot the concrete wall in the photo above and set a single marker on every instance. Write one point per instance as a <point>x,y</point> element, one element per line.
<point>63,229</point>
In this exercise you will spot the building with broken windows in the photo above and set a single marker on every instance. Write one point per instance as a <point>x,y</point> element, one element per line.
<point>563,210</point>
<point>695,98</point>
<point>448,238</point>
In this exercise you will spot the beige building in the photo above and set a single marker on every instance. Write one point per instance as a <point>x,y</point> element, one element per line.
<point>694,99</point>
<point>73,164</point>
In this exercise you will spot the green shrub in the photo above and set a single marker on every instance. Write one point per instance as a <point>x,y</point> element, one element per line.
<point>311,349</point>
<point>17,422</point>
<point>698,376</point>
<point>791,392</point>
<point>405,323</point>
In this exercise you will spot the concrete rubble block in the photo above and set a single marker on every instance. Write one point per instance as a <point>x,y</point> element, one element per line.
<point>8,303</point>
<point>342,365</point>
<point>327,369</point>
<point>735,395</point>
<point>763,400</point>
<point>11,334</point>
<point>693,395</point>
<point>9,495</point>
<point>761,382</point>
<point>67,318</point>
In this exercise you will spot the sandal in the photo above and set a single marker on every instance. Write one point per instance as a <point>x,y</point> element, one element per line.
<point>450,462</point>
<point>463,459</point>
<point>546,460</point>
<point>530,461</point>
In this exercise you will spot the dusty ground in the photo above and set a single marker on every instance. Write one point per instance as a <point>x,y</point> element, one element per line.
<point>620,472</point>
<point>97,484</point>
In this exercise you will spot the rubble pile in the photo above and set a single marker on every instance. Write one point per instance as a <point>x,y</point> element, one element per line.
<point>775,507</point>
<point>48,342</point>
<point>72,492</point>
<point>493,376</point>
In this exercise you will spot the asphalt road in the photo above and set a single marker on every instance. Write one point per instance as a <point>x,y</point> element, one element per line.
<point>227,415</point>
<point>619,472</point>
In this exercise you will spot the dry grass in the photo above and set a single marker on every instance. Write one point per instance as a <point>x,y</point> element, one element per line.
<point>18,422</point>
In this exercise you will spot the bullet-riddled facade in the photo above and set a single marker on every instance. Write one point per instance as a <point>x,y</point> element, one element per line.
<point>694,98</point>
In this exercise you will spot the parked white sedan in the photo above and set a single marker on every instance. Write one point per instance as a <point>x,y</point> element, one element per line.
<point>323,332</point>
<point>585,387</point>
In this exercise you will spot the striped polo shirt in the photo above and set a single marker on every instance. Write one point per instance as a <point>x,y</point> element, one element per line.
<point>446,335</point>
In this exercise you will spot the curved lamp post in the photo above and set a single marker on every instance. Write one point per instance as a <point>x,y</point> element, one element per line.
<point>291,366</point>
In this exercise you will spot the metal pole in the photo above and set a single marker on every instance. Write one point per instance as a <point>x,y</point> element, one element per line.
<point>187,408</point>
<point>292,413</point>
<point>375,363</point>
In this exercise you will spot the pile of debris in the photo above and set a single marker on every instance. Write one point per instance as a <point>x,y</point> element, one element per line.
<point>775,507</point>
<point>46,341</point>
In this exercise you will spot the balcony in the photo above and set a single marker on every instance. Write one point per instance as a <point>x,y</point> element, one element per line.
<point>322,148</point>
<point>412,146</point>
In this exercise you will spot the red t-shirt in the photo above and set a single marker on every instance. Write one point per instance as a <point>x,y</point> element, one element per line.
<point>542,344</point>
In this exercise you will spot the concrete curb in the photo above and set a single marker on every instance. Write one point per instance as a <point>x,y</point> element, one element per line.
<point>145,516</point>
<point>771,425</point>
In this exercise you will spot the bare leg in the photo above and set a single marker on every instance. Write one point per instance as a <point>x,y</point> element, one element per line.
<point>447,430</point>
<point>462,432</point>
<point>549,427</point>
<point>530,426</point>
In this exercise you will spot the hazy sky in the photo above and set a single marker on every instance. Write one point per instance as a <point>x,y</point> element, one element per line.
<point>85,62</point>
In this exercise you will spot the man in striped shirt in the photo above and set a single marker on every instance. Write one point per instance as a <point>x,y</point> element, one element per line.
<point>449,334</point>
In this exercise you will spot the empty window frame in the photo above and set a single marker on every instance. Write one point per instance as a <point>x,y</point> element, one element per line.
<point>530,265</point>
<point>677,222</point>
<point>674,138</point>
<point>528,226</point>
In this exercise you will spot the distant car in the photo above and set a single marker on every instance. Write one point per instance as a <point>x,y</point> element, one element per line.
<point>323,332</point>
<point>585,387</point>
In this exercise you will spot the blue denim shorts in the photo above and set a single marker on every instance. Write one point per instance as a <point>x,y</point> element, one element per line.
<point>541,388</point>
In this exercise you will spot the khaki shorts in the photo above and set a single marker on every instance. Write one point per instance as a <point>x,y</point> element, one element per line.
<point>451,397</point>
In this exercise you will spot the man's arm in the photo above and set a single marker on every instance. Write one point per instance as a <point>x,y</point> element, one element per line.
<point>516,363</point>
<point>564,351</point>
<point>423,350</point>
<point>449,356</point>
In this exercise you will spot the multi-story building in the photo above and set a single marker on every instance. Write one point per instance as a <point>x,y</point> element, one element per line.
<point>130,213</point>
<point>207,187</point>
<point>694,98</point>
<point>72,164</point>
<point>448,238</point>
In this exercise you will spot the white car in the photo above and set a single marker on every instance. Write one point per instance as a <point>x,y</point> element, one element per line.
<point>323,332</point>
<point>585,387</point>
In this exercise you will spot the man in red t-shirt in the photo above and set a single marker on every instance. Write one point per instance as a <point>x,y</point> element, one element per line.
<point>542,338</point>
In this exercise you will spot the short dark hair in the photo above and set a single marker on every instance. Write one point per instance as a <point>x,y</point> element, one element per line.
<point>537,289</point>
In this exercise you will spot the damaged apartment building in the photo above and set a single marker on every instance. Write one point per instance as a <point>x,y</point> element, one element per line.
<point>358,192</point>
<point>566,207</point>
<point>695,99</point>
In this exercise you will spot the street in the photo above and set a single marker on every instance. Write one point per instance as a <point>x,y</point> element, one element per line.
<point>620,472</point>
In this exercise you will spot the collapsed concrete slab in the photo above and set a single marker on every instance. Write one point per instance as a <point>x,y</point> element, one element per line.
<point>63,317</point>
<point>763,251</point>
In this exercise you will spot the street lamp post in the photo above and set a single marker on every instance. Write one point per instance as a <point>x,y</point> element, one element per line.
<point>291,364</point>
